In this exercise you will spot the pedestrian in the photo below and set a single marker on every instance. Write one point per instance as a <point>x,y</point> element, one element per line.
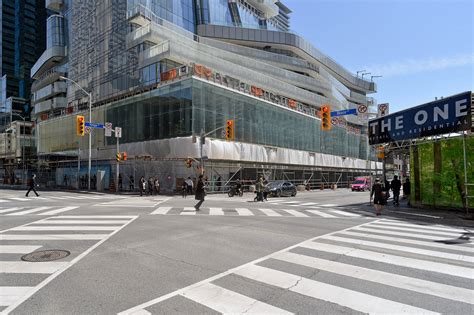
<point>32,184</point>
<point>65,180</point>
<point>189,185</point>
<point>184,189</point>
<point>396,185</point>
<point>157,185</point>
<point>379,196</point>
<point>120,181</point>
<point>200,193</point>
<point>407,190</point>
<point>94,181</point>
<point>219,183</point>
<point>150,185</point>
<point>386,186</point>
<point>142,185</point>
<point>259,188</point>
<point>131,183</point>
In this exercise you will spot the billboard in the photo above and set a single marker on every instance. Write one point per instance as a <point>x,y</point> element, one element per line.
<point>451,114</point>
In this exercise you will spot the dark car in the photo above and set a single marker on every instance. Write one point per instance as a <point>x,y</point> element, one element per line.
<point>281,188</point>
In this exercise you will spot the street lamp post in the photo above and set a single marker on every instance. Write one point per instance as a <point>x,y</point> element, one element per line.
<point>375,76</point>
<point>90,132</point>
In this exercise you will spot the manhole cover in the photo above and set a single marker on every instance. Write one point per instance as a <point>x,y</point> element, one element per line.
<point>45,255</point>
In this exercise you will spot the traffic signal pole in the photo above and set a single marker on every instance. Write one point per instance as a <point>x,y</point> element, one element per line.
<point>118,166</point>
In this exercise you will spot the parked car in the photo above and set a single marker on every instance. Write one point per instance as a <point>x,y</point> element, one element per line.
<point>361,184</point>
<point>281,188</point>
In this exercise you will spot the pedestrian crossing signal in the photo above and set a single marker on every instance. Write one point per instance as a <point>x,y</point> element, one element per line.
<point>80,125</point>
<point>119,157</point>
<point>326,118</point>
<point>229,129</point>
<point>124,156</point>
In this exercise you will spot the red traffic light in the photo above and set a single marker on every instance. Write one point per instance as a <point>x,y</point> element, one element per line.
<point>325,109</point>
<point>230,122</point>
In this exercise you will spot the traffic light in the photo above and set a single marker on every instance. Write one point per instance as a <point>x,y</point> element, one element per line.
<point>188,163</point>
<point>229,129</point>
<point>326,118</point>
<point>124,156</point>
<point>119,157</point>
<point>80,125</point>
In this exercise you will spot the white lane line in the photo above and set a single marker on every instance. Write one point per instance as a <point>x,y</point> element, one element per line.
<point>59,198</point>
<point>413,250</point>
<point>49,221</point>
<point>244,212</point>
<point>11,209</point>
<point>375,229</point>
<point>216,211</point>
<point>3,200</point>
<point>422,227</point>
<point>408,241</point>
<point>161,201</point>
<point>275,200</point>
<point>19,199</point>
<point>66,228</point>
<point>161,210</point>
<point>328,205</point>
<point>393,228</point>
<point>321,214</point>
<point>188,211</point>
<point>228,302</point>
<point>463,272</point>
<point>142,306</point>
<point>8,295</point>
<point>288,202</point>
<point>30,211</point>
<point>31,267</point>
<point>52,212</point>
<point>385,278</point>
<point>327,292</point>
<point>308,204</point>
<point>66,266</point>
<point>296,213</point>
<point>94,217</point>
<point>17,249</point>
<point>415,214</point>
<point>344,213</point>
<point>270,212</point>
<point>51,237</point>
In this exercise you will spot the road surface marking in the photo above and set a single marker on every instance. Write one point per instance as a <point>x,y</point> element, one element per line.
<point>18,249</point>
<point>308,204</point>
<point>20,199</point>
<point>244,212</point>
<point>31,267</point>
<point>51,237</point>
<point>329,205</point>
<point>10,209</point>
<point>50,221</point>
<point>228,302</point>
<point>423,227</point>
<point>188,211</point>
<point>66,228</point>
<point>344,213</point>
<point>327,292</point>
<point>375,229</point>
<point>270,212</point>
<point>216,211</point>
<point>52,212</point>
<point>321,214</point>
<point>161,210</point>
<point>30,211</point>
<point>393,228</point>
<point>8,295</point>
<point>296,213</point>
<point>420,264</point>
<point>94,217</point>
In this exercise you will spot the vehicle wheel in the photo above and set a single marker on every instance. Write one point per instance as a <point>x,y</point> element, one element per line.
<point>293,194</point>
<point>230,194</point>
<point>278,193</point>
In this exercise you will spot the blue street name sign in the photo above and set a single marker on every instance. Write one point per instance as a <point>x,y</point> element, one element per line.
<point>351,111</point>
<point>94,125</point>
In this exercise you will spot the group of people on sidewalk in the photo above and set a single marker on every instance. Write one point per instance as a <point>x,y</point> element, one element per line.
<point>150,187</point>
<point>381,193</point>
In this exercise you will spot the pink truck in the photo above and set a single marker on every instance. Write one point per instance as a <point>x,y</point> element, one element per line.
<point>361,183</point>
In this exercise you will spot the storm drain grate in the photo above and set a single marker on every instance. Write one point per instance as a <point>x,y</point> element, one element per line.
<point>45,255</point>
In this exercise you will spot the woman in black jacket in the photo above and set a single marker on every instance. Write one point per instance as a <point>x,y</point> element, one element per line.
<point>379,196</point>
<point>200,193</point>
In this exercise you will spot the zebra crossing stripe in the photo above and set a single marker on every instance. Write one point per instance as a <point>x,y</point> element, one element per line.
<point>296,213</point>
<point>274,200</point>
<point>344,213</point>
<point>406,249</point>
<point>288,202</point>
<point>8,295</point>
<point>29,211</point>
<point>419,227</point>
<point>216,211</point>
<point>19,199</point>
<point>17,249</point>
<point>321,214</point>
<point>59,210</point>
<point>392,228</point>
<point>188,211</point>
<point>244,212</point>
<point>161,210</point>
<point>228,302</point>
<point>375,229</point>
<point>66,228</point>
<point>30,267</point>
<point>94,217</point>
<point>408,241</point>
<point>3,200</point>
<point>327,292</point>
<point>10,209</point>
<point>54,221</point>
<point>308,204</point>
<point>50,237</point>
<point>329,205</point>
<point>420,264</point>
<point>270,212</point>
<point>385,278</point>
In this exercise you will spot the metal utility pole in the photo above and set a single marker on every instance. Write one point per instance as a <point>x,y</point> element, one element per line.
<point>118,164</point>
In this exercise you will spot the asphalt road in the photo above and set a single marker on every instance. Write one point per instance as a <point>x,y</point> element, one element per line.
<point>319,252</point>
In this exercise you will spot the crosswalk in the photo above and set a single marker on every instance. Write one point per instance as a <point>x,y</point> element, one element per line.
<point>59,231</point>
<point>49,198</point>
<point>301,213</point>
<point>16,211</point>
<point>359,269</point>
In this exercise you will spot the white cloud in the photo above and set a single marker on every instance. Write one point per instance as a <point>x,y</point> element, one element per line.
<point>412,66</point>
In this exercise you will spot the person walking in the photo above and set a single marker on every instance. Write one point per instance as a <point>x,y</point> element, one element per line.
<point>157,185</point>
<point>184,189</point>
<point>131,183</point>
<point>200,193</point>
<point>120,181</point>
<point>189,185</point>
<point>259,188</point>
<point>407,190</point>
<point>150,186</point>
<point>396,185</point>
<point>32,184</point>
<point>379,197</point>
<point>142,185</point>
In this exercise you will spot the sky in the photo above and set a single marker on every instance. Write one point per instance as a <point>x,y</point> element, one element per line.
<point>422,48</point>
